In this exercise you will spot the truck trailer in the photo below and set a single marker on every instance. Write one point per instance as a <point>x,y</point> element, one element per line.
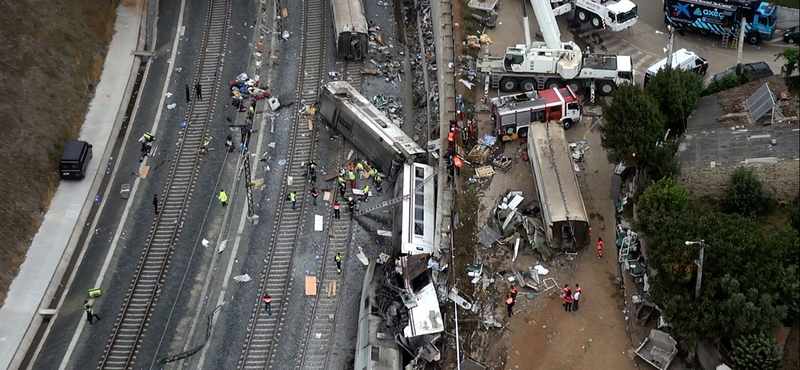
<point>723,17</point>
<point>563,212</point>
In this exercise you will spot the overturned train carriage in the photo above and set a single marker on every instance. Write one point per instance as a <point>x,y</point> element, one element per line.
<point>350,29</point>
<point>370,131</point>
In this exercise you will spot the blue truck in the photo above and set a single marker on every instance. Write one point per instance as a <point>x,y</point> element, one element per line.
<point>721,17</point>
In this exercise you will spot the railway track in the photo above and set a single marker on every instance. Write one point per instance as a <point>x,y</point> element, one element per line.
<point>315,349</point>
<point>263,333</point>
<point>142,296</point>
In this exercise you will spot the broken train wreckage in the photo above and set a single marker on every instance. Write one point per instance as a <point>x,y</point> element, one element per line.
<point>399,322</point>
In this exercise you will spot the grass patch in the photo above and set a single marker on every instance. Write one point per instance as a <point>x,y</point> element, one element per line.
<point>58,51</point>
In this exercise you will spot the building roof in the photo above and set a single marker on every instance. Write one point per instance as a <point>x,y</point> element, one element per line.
<point>710,143</point>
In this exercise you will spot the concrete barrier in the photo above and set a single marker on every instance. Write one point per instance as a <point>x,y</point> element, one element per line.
<point>787,17</point>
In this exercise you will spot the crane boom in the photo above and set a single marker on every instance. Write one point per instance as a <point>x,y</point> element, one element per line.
<point>547,23</point>
<point>389,202</point>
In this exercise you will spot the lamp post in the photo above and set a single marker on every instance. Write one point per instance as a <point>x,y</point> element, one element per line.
<point>699,263</point>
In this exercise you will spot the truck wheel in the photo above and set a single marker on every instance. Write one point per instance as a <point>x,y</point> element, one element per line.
<point>567,124</point>
<point>605,88</point>
<point>553,83</point>
<point>508,84</point>
<point>576,86</point>
<point>753,39</point>
<point>582,16</point>
<point>528,85</point>
<point>597,23</point>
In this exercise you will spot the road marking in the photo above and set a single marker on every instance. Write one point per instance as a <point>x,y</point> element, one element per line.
<point>110,254</point>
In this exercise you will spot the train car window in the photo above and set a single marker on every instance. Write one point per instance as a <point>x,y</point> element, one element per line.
<point>419,172</point>
<point>419,214</point>
<point>419,199</point>
<point>419,228</point>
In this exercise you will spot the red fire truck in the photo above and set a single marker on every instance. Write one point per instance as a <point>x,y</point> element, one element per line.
<point>514,113</point>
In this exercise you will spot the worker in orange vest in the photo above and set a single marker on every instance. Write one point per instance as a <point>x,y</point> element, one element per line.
<point>457,163</point>
<point>268,304</point>
<point>451,139</point>
<point>510,305</point>
<point>599,247</point>
<point>513,292</point>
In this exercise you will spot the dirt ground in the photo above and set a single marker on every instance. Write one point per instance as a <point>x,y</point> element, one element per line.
<point>50,53</point>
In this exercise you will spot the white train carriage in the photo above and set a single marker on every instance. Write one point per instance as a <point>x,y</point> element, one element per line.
<point>350,29</point>
<point>415,216</point>
<point>370,131</point>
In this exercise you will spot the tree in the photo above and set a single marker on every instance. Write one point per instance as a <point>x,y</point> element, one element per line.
<point>633,126</point>
<point>750,276</point>
<point>676,92</point>
<point>756,352</point>
<point>745,195</point>
<point>791,56</point>
<point>727,82</point>
<point>663,200</point>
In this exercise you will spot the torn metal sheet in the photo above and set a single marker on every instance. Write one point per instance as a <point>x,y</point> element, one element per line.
<point>488,236</point>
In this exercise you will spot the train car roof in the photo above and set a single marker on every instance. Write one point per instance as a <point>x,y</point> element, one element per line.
<point>376,120</point>
<point>560,191</point>
<point>348,16</point>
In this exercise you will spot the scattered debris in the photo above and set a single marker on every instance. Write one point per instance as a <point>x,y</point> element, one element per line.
<point>242,278</point>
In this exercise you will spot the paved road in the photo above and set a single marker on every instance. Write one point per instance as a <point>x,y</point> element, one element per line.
<point>648,38</point>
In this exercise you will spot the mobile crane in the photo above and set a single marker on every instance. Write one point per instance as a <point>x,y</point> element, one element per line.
<point>552,63</point>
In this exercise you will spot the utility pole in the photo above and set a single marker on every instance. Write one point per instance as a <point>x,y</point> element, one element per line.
<point>247,131</point>
<point>670,45</point>
<point>741,41</point>
<point>699,263</point>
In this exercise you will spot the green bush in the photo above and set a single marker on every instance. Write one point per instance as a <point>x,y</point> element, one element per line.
<point>728,82</point>
<point>745,194</point>
<point>755,352</point>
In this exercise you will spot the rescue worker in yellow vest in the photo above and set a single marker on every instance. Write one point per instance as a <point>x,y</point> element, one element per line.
<point>352,176</point>
<point>378,182</point>
<point>223,197</point>
<point>147,138</point>
<point>360,167</point>
<point>90,312</point>
<point>373,172</point>
<point>342,186</point>
<point>293,198</point>
<point>338,259</point>
<point>366,193</point>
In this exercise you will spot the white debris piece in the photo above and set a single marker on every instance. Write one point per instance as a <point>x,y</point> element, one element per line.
<point>222,246</point>
<point>541,270</point>
<point>206,242</point>
<point>242,278</point>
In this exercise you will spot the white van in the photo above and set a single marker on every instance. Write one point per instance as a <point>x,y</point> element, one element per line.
<point>681,59</point>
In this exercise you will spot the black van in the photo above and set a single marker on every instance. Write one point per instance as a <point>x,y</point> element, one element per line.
<point>75,160</point>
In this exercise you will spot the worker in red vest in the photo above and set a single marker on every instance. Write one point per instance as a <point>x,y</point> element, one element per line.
<point>336,211</point>
<point>457,163</point>
<point>268,304</point>
<point>451,139</point>
<point>513,292</point>
<point>510,305</point>
<point>599,247</point>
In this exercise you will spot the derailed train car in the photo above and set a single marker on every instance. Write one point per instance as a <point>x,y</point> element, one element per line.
<point>370,131</point>
<point>350,29</point>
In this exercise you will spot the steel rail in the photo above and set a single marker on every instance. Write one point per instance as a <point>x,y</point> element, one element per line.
<point>142,296</point>
<point>264,331</point>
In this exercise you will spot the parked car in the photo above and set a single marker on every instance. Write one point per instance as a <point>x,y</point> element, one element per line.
<point>758,71</point>
<point>792,35</point>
